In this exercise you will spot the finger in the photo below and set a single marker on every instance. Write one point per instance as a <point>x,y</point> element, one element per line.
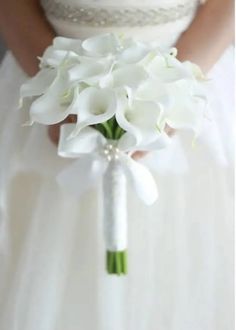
<point>139,154</point>
<point>169,130</point>
<point>54,130</point>
<point>71,119</point>
<point>53,133</point>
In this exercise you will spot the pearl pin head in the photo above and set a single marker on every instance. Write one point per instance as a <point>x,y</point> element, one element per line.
<point>111,152</point>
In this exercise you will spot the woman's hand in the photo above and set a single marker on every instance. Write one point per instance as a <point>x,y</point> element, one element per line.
<point>54,130</point>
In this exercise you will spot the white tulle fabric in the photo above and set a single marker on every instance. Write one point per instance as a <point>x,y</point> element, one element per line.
<point>180,249</point>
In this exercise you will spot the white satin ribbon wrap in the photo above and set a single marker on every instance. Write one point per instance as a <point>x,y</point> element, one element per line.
<point>97,157</point>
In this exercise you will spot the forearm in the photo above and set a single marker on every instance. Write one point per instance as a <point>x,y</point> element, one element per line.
<point>25,31</point>
<point>210,33</point>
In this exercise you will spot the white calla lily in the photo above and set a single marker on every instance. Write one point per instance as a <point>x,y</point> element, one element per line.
<point>32,89</point>
<point>94,106</point>
<point>69,44</point>
<point>38,84</point>
<point>167,69</point>
<point>102,45</point>
<point>187,106</point>
<point>55,105</point>
<point>140,121</point>
<point>153,89</point>
<point>129,76</point>
<point>195,71</point>
<point>133,54</point>
<point>90,72</point>
<point>58,57</point>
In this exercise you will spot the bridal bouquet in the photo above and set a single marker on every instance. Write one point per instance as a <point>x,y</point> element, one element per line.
<point>124,93</point>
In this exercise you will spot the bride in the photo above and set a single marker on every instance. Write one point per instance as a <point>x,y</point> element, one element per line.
<point>180,249</point>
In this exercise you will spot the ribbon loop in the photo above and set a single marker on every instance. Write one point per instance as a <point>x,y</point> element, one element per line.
<point>87,142</point>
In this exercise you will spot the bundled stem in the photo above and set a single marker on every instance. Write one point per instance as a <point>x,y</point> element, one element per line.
<point>110,129</point>
<point>117,262</point>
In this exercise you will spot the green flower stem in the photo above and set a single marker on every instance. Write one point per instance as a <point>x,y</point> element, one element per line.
<point>110,261</point>
<point>101,129</point>
<point>108,130</point>
<point>118,133</point>
<point>116,262</point>
<point>112,123</point>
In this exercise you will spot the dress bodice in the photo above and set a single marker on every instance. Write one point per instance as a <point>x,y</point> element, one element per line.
<point>162,20</point>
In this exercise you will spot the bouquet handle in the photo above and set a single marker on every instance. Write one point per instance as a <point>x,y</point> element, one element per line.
<point>115,217</point>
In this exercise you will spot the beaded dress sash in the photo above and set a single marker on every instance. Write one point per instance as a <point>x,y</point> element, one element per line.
<point>87,15</point>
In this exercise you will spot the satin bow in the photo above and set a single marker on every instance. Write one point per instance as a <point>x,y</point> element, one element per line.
<point>93,153</point>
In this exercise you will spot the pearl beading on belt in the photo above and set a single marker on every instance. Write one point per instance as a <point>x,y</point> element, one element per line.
<point>116,16</point>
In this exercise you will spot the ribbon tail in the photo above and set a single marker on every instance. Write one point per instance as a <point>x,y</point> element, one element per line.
<point>141,180</point>
<point>82,174</point>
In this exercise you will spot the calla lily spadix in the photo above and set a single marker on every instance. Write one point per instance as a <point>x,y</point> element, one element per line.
<point>124,93</point>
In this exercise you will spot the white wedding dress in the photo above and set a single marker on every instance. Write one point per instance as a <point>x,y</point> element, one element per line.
<point>180,276</point>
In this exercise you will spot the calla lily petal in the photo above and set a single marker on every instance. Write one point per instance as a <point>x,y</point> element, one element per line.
<point>69,44</point>
<point>195,71</point>
<point>132,135</point>
<point>56,57</point>
<point>128,141</point>
<point>144,116</point>
<point>52,107</point>
<point>139,120</point>
<point>133,54</point>
<point>101,45</point>
<point>90,73</point>
<point>153,89</point>
<point>38,84</point>
<point>187,107</point>
<point>167,69</point>
<point>129,75</point>
<point>94,106</point>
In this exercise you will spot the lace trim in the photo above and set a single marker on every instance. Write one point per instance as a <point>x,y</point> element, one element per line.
<point>115,16</point>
